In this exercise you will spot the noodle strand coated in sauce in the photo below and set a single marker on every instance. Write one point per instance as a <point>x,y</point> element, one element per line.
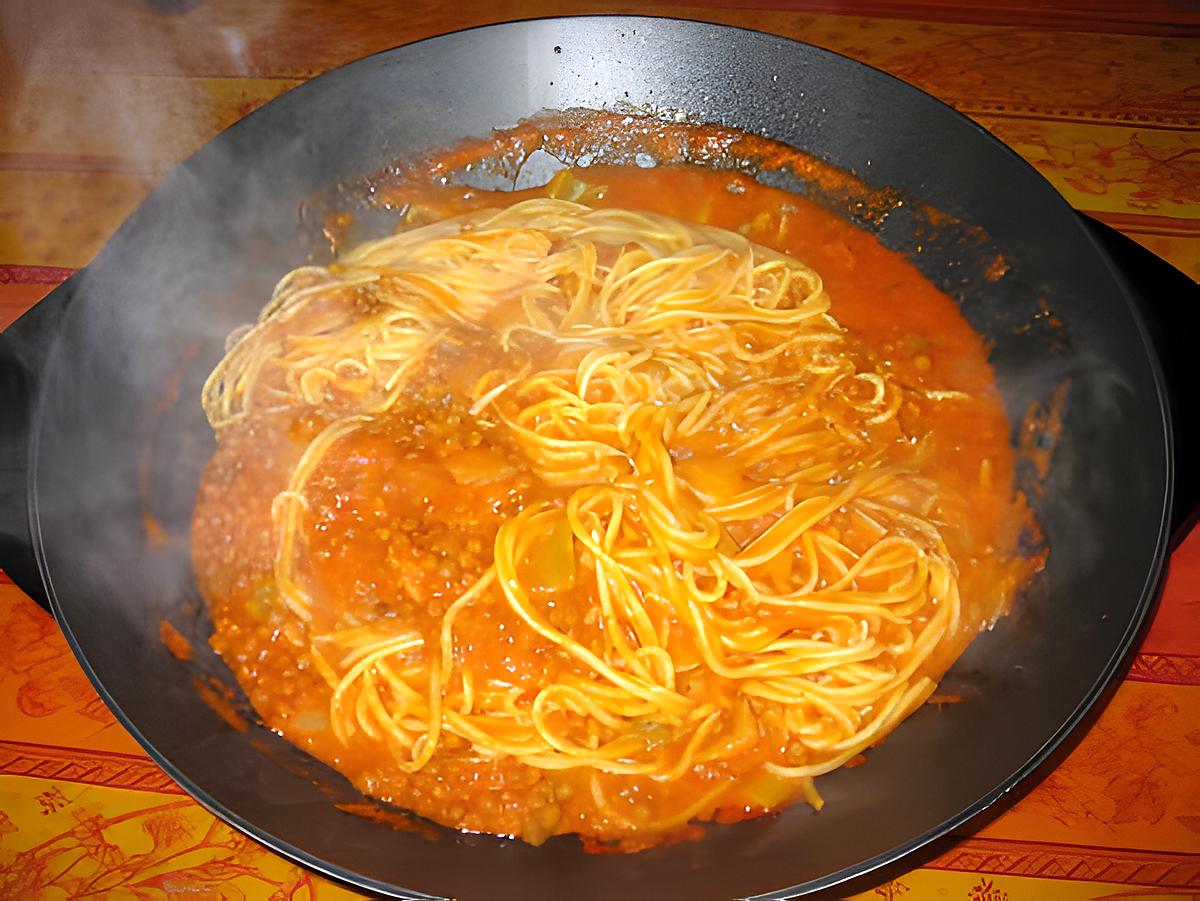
<point>604,518</point>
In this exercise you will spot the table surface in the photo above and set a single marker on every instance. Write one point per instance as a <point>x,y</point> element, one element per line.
<point>99,99</point>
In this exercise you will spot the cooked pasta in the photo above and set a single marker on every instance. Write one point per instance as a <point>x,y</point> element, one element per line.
<point>637,453</point>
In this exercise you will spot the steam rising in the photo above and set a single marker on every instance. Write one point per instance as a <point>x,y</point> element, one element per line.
<point>99,101</point>
<point>200,258</point>
<point>148,317</point>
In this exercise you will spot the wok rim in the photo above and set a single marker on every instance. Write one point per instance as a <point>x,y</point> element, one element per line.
<point>1087,704</point>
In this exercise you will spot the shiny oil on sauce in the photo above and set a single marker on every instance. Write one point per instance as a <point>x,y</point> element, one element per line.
<point>392,537</point>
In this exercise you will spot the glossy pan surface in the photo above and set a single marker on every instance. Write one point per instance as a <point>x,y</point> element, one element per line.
<point>106,445</point>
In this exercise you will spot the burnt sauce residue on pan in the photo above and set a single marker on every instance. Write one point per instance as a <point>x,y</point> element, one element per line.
<point>784,199</point>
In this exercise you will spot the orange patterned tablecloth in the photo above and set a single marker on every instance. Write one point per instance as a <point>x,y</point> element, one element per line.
<point>98,99</point>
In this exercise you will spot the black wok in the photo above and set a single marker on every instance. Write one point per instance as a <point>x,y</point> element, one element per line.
<point>91,443</point>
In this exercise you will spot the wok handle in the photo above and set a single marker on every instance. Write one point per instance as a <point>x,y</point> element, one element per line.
<point>1169,304</point>
<point>24,347</point>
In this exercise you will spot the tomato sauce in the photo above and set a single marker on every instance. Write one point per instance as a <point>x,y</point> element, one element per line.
<point>396,540</point>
